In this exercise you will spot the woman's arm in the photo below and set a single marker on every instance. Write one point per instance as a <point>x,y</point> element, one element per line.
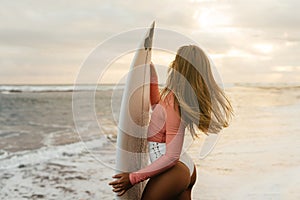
<point>154,90</point>
<point>174,143</point>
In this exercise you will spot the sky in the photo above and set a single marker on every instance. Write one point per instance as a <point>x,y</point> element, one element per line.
<point>46,42</point>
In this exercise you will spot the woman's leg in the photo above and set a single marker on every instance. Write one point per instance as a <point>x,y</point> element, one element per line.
<point>187,194</point>
<point>169,184</point>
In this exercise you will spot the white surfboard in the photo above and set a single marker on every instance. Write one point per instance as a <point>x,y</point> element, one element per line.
<point>134,116</point>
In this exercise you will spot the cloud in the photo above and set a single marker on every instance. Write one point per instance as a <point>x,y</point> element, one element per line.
<point>51,39</point>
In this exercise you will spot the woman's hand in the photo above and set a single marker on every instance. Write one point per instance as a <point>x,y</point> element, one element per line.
<point>122,184</point>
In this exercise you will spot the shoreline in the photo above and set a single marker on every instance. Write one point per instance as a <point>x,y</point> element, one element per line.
<point>71,172</point>
<point>57,172</point>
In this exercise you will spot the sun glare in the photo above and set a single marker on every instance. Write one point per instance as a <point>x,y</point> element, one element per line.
<point>264,48</point>
<point>211,18</point>
<point>232,53</point>
<point>286,68</point>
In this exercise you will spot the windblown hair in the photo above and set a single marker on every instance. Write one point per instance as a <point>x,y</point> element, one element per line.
<point>201,101</point>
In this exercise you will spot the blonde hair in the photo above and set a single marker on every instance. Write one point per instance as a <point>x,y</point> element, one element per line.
<point>200,100</point>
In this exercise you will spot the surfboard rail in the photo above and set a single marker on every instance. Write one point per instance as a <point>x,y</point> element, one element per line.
<point>134,116</point>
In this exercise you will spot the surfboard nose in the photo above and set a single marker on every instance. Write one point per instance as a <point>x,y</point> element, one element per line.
<point>149,37</point>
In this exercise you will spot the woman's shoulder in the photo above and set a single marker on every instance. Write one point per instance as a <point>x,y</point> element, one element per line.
<point>169,99</point>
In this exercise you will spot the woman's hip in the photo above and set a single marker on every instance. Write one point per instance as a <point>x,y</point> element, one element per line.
<point>157,149</point>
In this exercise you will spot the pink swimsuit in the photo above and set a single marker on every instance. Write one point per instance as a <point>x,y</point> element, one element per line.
<point>165,127</point>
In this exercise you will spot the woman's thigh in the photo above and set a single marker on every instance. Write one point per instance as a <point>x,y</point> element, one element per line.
<point>169,184</point>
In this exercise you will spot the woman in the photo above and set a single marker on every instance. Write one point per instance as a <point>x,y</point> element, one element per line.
<point>191,98</point>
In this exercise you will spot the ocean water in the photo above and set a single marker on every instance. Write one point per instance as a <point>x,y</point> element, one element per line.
<point>35,116</point>
<point>257,157</point>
